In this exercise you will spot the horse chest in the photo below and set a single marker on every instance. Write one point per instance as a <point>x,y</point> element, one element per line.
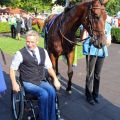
<point>57,47</point>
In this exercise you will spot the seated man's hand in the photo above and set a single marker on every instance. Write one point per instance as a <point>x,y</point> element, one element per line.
<point>57,84</point>
<point>16,87</point>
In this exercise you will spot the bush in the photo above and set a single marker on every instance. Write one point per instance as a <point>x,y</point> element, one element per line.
<point>115,33</point>
<point>4,27</point>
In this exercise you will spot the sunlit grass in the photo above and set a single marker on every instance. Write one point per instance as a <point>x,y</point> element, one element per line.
<point>10,46</point>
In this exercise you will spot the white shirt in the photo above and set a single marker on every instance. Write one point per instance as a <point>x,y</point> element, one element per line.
<point>18,59</point>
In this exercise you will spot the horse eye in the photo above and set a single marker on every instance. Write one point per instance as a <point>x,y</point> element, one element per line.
<point>95,16</point>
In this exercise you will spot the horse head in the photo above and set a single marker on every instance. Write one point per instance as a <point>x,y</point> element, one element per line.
<point>95,22</point>
<point>39,22</point>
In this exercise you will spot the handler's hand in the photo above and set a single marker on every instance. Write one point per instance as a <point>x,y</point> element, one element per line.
<point>57,84</point>
<point>108,42</point>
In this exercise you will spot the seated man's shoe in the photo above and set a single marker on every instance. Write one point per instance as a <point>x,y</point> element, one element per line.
<point>91,101</point>
<point>96,100</point>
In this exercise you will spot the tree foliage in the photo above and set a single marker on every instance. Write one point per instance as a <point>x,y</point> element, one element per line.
<point>112,7</point>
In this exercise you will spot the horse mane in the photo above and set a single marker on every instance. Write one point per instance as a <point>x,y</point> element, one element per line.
<point>68,8</point>
<point>71,7</point>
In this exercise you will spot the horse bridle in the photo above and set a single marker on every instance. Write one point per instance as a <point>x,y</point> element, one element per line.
<point>90,17</point>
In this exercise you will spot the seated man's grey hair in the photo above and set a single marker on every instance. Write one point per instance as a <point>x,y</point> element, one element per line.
<point>33,33</point>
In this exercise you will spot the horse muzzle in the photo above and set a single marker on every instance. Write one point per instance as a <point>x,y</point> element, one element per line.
<point>98,42</point>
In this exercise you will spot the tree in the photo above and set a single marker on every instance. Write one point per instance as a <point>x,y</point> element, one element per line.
<point>113,6</point>
<point>4,2</point>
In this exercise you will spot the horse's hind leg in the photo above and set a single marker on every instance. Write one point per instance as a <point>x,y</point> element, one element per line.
<point>70,71</point>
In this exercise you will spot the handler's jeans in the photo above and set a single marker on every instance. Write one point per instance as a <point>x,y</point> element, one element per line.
<point>46,97</point>
<point>94,67</point>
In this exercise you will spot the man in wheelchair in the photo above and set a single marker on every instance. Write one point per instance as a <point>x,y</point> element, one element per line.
<point>31,61</point>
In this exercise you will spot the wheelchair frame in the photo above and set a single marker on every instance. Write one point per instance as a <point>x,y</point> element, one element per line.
<point>18,104</point>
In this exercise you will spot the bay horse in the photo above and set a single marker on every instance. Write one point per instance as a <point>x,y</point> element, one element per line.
<point>39,22</point>
<point>61,33</point>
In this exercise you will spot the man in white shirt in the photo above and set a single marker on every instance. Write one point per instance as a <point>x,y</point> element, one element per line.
<point>32,61</point>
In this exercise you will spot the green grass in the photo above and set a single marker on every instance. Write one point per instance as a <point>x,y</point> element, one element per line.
<point>10,46</point>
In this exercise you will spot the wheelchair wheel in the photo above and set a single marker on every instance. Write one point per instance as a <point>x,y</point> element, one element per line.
<point>18,104</point>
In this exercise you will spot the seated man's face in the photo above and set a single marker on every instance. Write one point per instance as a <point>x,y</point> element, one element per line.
<point>31,42</point>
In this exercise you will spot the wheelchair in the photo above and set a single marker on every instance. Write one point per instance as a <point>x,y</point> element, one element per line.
<point>23,102</point>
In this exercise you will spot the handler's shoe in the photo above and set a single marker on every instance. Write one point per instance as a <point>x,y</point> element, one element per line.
<point>96,100</point>
<point>90,101</point>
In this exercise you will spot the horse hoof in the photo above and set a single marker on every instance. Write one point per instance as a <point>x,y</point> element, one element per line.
<point>69,91</point>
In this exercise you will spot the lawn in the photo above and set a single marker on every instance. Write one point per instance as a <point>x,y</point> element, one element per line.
<point>10,46</point>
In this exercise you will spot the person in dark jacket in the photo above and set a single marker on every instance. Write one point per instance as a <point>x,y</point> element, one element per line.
<point>18,26</point>
<point>28,23</point>
<point>31,61</point>
<point>12,23</point>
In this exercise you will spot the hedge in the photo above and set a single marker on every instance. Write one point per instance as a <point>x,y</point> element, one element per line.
<point>115,33</point>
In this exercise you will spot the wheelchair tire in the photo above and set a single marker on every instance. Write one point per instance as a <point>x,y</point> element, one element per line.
<point>18,104</point>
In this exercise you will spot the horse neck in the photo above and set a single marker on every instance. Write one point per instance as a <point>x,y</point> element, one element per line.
<point>73,18</point>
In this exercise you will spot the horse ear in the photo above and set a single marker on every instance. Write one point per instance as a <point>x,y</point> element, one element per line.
<point>104,1</point>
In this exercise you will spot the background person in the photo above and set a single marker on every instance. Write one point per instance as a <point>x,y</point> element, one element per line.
<point>12,23</point>
<point>28,22</point>
<point>32,62</point>
<point>23,28</point>
<point>18,26</point>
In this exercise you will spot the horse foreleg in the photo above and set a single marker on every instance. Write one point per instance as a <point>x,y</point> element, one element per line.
<point>68,89</point>
<point>54,61</point>
<point>70,58</point>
